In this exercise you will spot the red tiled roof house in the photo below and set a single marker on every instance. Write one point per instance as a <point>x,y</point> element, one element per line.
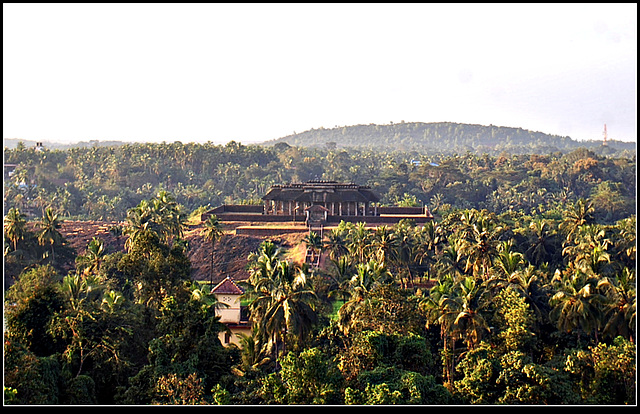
<point>228,293</point>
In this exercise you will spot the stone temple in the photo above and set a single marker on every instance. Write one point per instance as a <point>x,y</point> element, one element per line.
<point>320,202</point>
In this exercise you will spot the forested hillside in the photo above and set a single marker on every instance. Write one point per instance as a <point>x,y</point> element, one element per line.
<point>102,183</point>
<point>522,290</point>
<point>447,138</point>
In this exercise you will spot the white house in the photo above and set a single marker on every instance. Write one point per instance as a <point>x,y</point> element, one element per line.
<point>228,293</point>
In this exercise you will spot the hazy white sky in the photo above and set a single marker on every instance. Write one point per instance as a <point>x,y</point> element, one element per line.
<point>254,72</point>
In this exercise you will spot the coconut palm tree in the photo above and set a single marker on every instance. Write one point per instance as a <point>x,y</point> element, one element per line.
<point>167,216</point>
<point>481,246</point>
<point>15,227</point>
<point>405,242</point>
<point>48,230</point>
<point>367,277</point>
<point>469,324</point>
<point>588,249</point>
<point>620,309</point>
<point>281,301</point>
<point>384,245</point>
<point>313,241</point>
<point>542,241</point>
<point>291,310</point>
<point>428,242</point>
<point>335,244</point>
<point>452,259</point>
<point>359,241</point>
<point>508,262</point>
<point>577,215</point>
<point>442,307</point>
<point>139,220</point>
<point>576,304</point>
<point>530,284</point>
<point>90,261</point>
<point>339,273</point>
<point>212,233</point>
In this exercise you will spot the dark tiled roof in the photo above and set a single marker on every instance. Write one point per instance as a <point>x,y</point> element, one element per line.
<point>227,286</point>
<point>321,191</point>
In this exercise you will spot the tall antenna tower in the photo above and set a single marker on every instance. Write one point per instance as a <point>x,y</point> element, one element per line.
<point>604,141</point>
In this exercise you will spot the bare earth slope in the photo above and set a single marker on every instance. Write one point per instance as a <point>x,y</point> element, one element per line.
<point>230,252</point>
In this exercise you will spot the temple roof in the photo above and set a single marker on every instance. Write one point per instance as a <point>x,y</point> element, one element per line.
<point>321,191</point>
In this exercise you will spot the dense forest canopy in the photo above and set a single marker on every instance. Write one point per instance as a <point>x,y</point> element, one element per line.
<point>102,183</point>
<point>522,290</point>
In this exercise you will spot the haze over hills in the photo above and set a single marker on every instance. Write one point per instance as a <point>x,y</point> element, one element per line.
<point>439,137</point>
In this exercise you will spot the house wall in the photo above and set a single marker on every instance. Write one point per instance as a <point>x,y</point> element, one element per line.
<point>227,338</point>
<point>232,312</point>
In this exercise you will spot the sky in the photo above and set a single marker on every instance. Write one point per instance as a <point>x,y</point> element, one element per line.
<point>256,72</point>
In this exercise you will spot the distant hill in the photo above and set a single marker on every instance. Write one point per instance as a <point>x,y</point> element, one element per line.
<point>445,137</point>
<point>439,137</point>
<point>12,143</point>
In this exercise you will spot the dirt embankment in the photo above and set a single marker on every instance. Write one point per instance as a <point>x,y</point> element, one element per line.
<point>230,252</point>
<point>79,233</point>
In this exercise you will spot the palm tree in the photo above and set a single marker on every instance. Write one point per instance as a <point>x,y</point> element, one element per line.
<point>359,238</point>
<point>620,309</point>
<point>385,245</point>
<point>404,257</point>
<point>340,272</point>
<point>251,353</point>
<point>93,257</point>
<point>508,262</point>
<point>167,216</point>
<point>442,307</point>
<point>160,215</point>
<point>542,241</point>
<point>529,283</point>
<point>82,294</point>
<point>367,277</point>
<point>15,226</point>
<point>291,309</point>
<point>577,215</point>
<point>335,244</point>
<point>469,323</point>
<point>625,242</point>
<point>575,305</point>
<point>588,249</point>
<point>48,230</point>
<point>452,259</point>
<point>481,246</point>
<point>428,241</point>
<point>313,241</point>
<point>212,233</point>
<point>281,301</point>
<point>138,221</point>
